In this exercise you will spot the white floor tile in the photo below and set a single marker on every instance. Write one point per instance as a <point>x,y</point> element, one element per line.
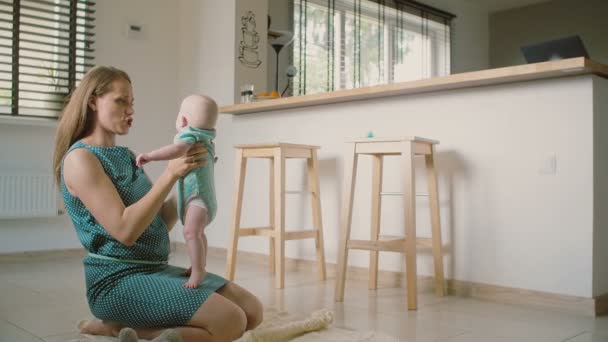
<point>44,298</point>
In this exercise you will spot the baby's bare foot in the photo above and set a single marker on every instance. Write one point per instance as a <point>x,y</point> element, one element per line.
<point>195,279</point>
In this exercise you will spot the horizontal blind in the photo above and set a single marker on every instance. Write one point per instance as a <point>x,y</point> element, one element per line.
<point>46,48</point>
<point>342,44</point>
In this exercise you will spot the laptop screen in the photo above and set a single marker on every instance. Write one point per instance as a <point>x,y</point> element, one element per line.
<point>568,47</point>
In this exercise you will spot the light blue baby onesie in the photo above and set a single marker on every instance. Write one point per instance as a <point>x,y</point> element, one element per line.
<point>200,182</point>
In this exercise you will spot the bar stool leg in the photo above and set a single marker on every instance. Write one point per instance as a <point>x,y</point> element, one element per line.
<point>435,222</point>
<point>313,182</point>
<point>279,217</point>
<point>377,161</point>
<point>271,255</point>
<point>350,176</point>
<point>239,181</point>
<point>409,201</point>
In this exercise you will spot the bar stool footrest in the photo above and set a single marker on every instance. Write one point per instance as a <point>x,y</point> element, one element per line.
<point>394,244</point>
<point>302,234</point>
<point>257,231</point>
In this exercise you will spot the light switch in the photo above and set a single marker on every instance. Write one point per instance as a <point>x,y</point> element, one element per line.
<point>134,31</point>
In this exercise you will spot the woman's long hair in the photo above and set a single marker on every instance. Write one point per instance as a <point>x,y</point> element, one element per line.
<point>77,119</point>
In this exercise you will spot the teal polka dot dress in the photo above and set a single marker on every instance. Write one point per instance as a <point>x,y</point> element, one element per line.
<point>132,285</point>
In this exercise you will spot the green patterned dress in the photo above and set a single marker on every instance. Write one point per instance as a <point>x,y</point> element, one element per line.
<point>132,285</point>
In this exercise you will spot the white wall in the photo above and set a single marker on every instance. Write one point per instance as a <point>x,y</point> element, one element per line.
<point>31,148</point>
<point>509,30</point>
<point>471,38</point>
<point>151,62</point>
<point>204,44</point>
<point>495,206</point>
<point>205,39</point>
<point>174,58</point>
<point>206,48</point>
<point>600,185</point>
<point>470,53</point>
<point>504,222</point>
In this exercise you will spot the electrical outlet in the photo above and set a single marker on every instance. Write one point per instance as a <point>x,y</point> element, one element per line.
<point>548,165</point>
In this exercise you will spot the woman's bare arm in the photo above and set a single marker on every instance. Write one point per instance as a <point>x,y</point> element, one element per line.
<point>86,179</point>
<point>168,212</point>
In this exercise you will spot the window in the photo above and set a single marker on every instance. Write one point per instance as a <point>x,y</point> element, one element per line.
<point>45,50</point>
<point>343,44</point>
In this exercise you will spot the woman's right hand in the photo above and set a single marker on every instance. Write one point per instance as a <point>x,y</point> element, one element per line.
<point>194,158</point>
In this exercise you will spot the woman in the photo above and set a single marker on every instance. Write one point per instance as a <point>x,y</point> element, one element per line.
<point>123,220</point>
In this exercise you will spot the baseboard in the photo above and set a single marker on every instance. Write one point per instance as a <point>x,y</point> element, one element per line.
<point>506,295</point>
<point>514,296</point>
<point>499,294</point>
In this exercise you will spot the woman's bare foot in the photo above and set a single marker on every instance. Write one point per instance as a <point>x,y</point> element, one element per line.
<point>97,327</point>
<point>195,279</point>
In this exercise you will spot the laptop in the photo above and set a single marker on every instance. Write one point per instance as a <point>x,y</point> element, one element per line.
<point>568,47</point>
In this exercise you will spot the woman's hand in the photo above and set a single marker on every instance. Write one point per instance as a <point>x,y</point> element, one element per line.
<point>194,158</point>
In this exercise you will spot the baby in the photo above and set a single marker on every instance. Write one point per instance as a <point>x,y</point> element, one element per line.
<point>196,202</point>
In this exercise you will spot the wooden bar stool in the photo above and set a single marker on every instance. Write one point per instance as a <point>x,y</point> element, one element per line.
<point>277,153</point>
<point>407,148</point>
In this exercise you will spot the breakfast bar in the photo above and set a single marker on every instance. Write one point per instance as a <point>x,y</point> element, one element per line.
<point>519,147</point>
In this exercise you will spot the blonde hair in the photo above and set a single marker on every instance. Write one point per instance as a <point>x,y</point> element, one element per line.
<point>200,110</point>
<point>76,120</point>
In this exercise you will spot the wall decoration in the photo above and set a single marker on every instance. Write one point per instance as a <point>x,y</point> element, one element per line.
<point>249,44</point>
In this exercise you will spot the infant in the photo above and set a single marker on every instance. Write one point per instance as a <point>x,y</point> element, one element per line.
<point>196,202</point>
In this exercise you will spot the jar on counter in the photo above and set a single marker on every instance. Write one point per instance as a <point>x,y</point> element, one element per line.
<point>247,93</point>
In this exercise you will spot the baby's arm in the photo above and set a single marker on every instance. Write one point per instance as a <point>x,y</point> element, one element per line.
<point>164,153</point>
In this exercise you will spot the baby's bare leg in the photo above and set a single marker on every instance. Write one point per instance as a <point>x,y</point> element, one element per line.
<point>189,270</point>
<point>196,218</point>
<point>205,248</point>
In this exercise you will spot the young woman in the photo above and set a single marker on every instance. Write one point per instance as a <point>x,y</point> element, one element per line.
<point>123,221</point>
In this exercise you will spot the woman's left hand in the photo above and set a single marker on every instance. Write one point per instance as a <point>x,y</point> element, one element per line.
<point>198,152</point>
<point>194,158</point>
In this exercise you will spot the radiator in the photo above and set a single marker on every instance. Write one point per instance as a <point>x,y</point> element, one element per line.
<point>25,195</point>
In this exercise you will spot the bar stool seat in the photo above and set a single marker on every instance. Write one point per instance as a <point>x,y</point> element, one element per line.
<point>277,153</point>
<point>407,148</point>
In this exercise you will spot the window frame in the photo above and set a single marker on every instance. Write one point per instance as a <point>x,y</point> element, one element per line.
<point>50,51</point>
<point>340,78</point>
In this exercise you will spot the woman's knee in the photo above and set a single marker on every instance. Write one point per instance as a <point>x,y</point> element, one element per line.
<point>249,303</point>
<point>233,325</point>
<point>221,318</point>
<point>254,312</point>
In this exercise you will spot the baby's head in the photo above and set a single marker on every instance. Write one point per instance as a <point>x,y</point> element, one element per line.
<point>198,111</point>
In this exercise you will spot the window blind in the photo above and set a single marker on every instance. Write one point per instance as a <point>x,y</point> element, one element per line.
<point>45,50</point>
<point>342,44</point>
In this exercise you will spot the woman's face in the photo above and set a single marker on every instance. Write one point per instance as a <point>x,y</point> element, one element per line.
<point>115,108</point>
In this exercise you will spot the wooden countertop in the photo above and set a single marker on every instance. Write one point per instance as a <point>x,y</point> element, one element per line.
<point>527,72</point>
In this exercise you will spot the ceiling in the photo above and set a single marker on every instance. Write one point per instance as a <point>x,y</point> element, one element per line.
<point>501,5</point>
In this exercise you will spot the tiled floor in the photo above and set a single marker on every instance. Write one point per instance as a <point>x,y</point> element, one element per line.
<point>41,299</point>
